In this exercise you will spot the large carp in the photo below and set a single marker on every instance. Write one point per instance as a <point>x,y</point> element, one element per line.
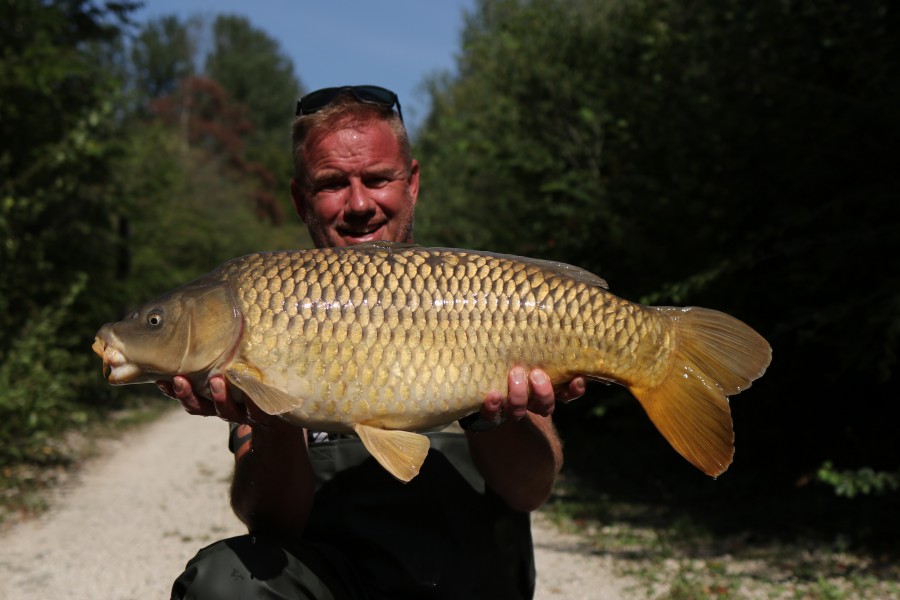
<point>384,340</point>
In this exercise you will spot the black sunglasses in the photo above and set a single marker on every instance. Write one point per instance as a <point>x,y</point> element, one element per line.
<point>370,94</point>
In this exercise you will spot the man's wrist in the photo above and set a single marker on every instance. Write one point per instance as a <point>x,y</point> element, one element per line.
<point>240,439</point>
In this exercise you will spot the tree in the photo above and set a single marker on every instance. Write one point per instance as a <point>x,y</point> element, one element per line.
<point>163,54</point>
<point>254,71</point>
<point>57,98</point>
<point>239,106</point>
<point>209,119</point>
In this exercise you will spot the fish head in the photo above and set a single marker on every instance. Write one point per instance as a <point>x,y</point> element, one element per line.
<point>192,330</point>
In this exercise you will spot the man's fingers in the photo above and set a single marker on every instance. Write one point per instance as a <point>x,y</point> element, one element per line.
<point>220,403</point>
<point>541,400</point>
<point>180,389</point>
<point>227,407</point>
<point>218,391</point>
<point>575,390</point>
<point>517,390</point>
<point>492,406</point>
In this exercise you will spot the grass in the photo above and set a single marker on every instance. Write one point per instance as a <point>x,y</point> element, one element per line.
<point>24,486</point>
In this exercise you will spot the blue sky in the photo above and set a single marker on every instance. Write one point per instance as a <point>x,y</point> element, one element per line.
<point>396,44</point>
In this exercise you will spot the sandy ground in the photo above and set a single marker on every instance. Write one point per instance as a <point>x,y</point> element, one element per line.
<point>125,526</point>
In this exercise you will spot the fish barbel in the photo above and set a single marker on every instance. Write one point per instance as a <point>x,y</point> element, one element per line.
<point>385,340</point>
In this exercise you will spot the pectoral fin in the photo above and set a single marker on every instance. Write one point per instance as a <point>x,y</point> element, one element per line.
<point>400,452</point>
<point>271,400</point>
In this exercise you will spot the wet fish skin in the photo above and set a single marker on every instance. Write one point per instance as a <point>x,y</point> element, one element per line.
<point>383,340</point>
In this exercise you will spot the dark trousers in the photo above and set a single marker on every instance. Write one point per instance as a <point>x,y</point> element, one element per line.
<point>251,567</point>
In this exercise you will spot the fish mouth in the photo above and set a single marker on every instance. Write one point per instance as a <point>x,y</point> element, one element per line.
<point>116,368</point>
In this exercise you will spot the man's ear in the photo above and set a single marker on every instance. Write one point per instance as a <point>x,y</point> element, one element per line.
<point>414,181</point>
<point>299,198</point>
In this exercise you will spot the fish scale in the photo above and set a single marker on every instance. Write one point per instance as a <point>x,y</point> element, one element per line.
<point>384,340</point>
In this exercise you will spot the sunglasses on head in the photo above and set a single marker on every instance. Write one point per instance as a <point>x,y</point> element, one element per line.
<point>369,94</point>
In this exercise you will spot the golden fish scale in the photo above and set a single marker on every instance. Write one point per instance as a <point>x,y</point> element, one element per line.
<point>412,338</point>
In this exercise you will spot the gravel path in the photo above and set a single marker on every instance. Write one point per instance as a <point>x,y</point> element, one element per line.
<point>125,526</point>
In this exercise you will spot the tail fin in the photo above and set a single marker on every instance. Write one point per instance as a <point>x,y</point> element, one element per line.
<point>717,356</point>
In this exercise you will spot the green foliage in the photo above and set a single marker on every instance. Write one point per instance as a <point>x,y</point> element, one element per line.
<point>239,104</point>
<point>162,55</point>
<point>865,481</point>
<point>185,213</point>
<point>57,98</point>
<point>40,381</point>
<point>256,73</point>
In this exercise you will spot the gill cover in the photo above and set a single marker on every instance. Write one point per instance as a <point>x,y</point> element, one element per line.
<point>215,326</point>
<point>192,330</point>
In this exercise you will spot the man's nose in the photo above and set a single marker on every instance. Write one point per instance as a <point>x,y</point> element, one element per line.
<point>359,201</point>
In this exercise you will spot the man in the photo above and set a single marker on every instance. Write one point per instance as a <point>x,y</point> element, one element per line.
<point>326,521</point>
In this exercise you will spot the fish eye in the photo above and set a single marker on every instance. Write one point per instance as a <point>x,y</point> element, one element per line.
<point>154,318</point>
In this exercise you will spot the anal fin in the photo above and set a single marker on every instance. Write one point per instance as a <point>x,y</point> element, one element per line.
<point>401,453</point>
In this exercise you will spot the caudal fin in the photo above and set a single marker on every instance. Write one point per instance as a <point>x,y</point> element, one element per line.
<point>717,356</point>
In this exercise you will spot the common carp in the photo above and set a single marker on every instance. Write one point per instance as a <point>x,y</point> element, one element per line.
<point>386,340</point>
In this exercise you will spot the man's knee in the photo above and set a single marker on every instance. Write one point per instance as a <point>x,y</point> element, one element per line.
<point>250,567</point>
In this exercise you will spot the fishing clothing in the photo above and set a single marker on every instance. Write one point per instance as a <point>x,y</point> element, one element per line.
<point>443,535</point>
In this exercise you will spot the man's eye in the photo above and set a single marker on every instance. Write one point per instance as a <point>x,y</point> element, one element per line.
<point>330,186</point>
<point>377,182</point>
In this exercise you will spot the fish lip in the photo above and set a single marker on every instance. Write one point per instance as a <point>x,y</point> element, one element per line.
<point>116,368</point>
<point>124,373</point>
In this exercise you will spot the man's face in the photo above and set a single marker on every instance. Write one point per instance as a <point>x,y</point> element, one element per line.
<point>358,188</point>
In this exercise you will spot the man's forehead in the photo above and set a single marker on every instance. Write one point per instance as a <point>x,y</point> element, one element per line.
<point>369,148</point>
<point>353,134</point>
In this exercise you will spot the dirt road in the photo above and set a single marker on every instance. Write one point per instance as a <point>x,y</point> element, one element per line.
<point>125,526</point>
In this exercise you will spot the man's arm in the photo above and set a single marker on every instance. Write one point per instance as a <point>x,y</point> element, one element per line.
<point>521,458</point>
<point>273,485</point>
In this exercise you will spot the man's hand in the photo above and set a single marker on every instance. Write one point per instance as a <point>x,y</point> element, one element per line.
<point>533,393</point>
<point>224,401</point>
<point>520,459</point>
